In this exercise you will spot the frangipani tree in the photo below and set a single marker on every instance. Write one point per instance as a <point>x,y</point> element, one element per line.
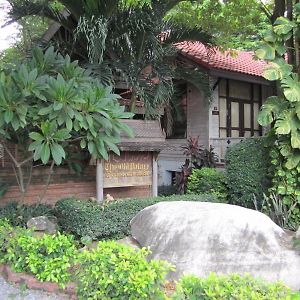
<point>48,104</point>
<point>282,112</point>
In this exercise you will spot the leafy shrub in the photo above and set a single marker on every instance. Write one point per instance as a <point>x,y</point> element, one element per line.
<point>19,214</point>
<point>86,218</point>
<point>116,271</point>
<point>247,167</point>
<point>231,287</point>
<point>5,232</point>
<point>48,257</point>
<point>208,180</point>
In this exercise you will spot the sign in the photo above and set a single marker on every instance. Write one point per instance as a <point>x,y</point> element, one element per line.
<point>128,169</point>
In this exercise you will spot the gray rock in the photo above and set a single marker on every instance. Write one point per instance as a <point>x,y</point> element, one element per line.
<point>43,223</point>
<point>129,241</point>
<point>199,238</point>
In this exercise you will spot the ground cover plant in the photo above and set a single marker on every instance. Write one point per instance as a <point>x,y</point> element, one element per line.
<point>115,271</point>
<point>85,218</point>
<point>108,272</point>
<point>231,287</point>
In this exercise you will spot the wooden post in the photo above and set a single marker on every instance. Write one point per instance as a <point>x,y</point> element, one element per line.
<point>154,175</point>
<point>99,180</point>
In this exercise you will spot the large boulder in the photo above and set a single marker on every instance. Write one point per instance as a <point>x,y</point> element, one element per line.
<point>199,238</point>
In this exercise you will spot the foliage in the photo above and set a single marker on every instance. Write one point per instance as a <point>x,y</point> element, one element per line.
<point>247,171</point>
<point>231,287</point>
<point>282,111</point>
<point>126,41</point>
<point>49,106</point>
<point>200,157</point>
<point>196,158</point>
<point>224,20</point>
<point>86,218</point>
<point>18,214</point>
<point>116,271</point>
<point>210,181</point>
<point>49,258</point>
<point>5,233</point>
<point>279,212</point>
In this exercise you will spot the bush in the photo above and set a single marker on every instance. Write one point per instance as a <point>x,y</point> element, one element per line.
<point>116,271</point>
<point>247,167</point>
<point>231,287</point>
<point>86,218</point>
<point>208,180</point>
<point>48,257</point>
<point>19,214</point>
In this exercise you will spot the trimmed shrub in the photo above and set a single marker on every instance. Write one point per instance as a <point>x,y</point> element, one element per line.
<point>231,287</point>
<point>116,271</point>
<point>247,171</point>
<point>19,214</point>
<point>208,180</point>
<point>86,218</point>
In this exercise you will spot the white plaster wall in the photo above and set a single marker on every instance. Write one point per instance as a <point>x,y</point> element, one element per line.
<point>172,158</point>
<point>214,118</point>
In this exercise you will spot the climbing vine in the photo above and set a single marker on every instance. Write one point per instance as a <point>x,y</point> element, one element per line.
<point>282,112</point>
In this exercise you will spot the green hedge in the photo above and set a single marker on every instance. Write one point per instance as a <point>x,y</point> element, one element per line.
<point>247,171</point>
<point>86,218</point>
<point>19,214</point>
<point>231,287</point>
<point>208,180</point>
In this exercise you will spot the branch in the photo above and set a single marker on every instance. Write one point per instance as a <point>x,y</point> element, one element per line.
<point>47,182</point>
<point>10,155</point>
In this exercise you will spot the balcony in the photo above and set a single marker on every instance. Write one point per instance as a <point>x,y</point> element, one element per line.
<point>220,146</point>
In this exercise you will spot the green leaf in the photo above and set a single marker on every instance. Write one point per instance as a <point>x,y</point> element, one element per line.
<point>266,51</point>
<point>57,106</point>
<point>283,26</point>
<point>36,136</point>
<point>271,106</point>
<point>82,143</point>
<point>46,110</point>
<point>112,147</point>
<point>45,153</point>
<point>8,116</point>
<point>58,153</point>
<point>293,161</point>
<point>291,88</point>
<point>295,139</point>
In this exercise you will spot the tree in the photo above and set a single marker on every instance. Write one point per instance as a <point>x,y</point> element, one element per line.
<point>282,112</point>
<point>225,21</point>
<point>50,106</point>
<point>135,44</point>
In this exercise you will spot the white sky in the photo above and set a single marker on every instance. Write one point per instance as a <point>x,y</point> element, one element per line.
<point>7,34</point>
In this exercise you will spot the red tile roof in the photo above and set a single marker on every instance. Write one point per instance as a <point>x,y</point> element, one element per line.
<point>213,58</point>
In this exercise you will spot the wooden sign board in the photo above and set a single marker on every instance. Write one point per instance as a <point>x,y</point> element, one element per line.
<point>128,169</point>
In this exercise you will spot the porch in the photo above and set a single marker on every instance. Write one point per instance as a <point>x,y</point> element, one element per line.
<point>220,146</point>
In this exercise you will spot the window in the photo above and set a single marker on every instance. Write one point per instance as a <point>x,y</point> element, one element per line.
<point>239,103</point>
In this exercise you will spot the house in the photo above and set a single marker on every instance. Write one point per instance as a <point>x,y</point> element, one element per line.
<point>229,116</point>
<point>238,90</point>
